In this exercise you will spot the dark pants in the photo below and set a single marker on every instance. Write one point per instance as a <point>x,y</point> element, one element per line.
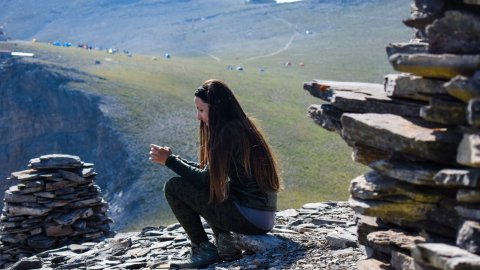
<point>189,198</point>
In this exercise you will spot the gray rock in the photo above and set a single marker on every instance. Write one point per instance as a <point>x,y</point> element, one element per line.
<point>342,240</point>
<point>468,195</point>
<point>373,185</point>
<point>26,264</point>
<point>327,116</point>
<point>468,236</point>
<point>367,155</point>
<point>70,218</point>
<point>55,161</point>
<point>436,66</point>
<point>25,175</point>
<point>410,48</point>
<point>400,261</point>
<point>326,89</point>
<point>447,112</point>
<point>256,243</point>
<point>463,88</point>
<point>414,173</point>
<point>456,32</point>
<point>400,134</point>
<point>371,264</point>
<point>72,176</point>
<point>29,211</point>
<point>393,240</point>
<point>445,256</point>
<point>41,242</point>
<point>10,197</point>
<point>468,152</point>
<point>413,87</point>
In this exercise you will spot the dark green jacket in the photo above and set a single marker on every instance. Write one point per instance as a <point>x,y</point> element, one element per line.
<point>242,189</point>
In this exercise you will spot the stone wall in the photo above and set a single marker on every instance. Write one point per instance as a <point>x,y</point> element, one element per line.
<point>55,204</point>
<point>419,132</point>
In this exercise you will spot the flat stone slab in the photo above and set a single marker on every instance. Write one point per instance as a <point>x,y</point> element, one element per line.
<point>414,173</point>
<point>360,97</point>
<point>463,88</point>
<point>55,161</point>
<point>396,212</point>
<point>413,87</point>
<point>468,195</point>
<point>373,185</point>
<point>325,89</point>
<point>445,256</point>
<point>327,116</point>
<point>444,111</point>
<point>401,47</point>
<point>256,243</point>
<point>367,155</point>
<point>393,133</point>
<point>393,240</point>
<point>443,66</point>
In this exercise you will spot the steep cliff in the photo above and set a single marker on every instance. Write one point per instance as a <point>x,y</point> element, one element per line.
<point>41,112</point>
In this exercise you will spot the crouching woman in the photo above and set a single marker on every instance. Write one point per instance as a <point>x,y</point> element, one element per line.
<point>234,187</point>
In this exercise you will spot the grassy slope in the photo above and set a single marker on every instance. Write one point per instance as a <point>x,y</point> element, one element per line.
<point>158,97</point>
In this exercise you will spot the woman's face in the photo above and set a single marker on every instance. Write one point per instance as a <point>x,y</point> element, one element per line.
<point>202,110</point>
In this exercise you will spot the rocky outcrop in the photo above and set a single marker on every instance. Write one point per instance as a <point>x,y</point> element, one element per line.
<point>419,132</point>
<point>57,203</point>
<point>316,236</point>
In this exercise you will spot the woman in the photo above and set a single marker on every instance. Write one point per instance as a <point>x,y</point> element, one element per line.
<point>234,187</point>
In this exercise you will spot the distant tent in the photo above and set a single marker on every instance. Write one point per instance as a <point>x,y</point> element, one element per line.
<point>240,68</point>
<point>67,44</point>
<point>301,64</point>
<point>34,40</point>
<point>288,63</point>
<point>57,43</point>
<point>167,55</point>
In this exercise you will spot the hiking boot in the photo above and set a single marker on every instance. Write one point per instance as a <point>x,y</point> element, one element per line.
<point>201,255</point>
<point>226,247</point>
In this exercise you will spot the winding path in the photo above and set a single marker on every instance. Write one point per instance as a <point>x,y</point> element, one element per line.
<point>287,45</point>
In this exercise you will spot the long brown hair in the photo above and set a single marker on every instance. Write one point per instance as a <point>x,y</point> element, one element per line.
<point>258,161</point>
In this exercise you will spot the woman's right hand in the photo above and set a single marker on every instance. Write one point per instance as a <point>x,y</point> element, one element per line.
<point>159,154</point>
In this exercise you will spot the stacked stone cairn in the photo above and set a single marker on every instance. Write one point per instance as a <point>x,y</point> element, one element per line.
<point>55,204</point>
<point>419,132</point>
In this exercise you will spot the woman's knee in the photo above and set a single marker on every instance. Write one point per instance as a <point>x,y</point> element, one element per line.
<point>171,185</point>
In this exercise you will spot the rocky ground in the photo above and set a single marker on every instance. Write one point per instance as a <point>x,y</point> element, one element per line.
<point>316,236</point>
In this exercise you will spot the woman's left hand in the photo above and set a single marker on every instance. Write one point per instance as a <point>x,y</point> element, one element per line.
<point>159,154</point>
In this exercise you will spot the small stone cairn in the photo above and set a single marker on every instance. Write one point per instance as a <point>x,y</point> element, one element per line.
<point>56,204</point>
<point>419,132</point>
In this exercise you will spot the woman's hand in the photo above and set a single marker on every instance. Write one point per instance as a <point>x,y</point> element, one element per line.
<point>159,154</point>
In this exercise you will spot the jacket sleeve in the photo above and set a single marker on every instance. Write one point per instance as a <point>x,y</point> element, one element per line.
<point>191,163</point>
<point>185,170</point>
